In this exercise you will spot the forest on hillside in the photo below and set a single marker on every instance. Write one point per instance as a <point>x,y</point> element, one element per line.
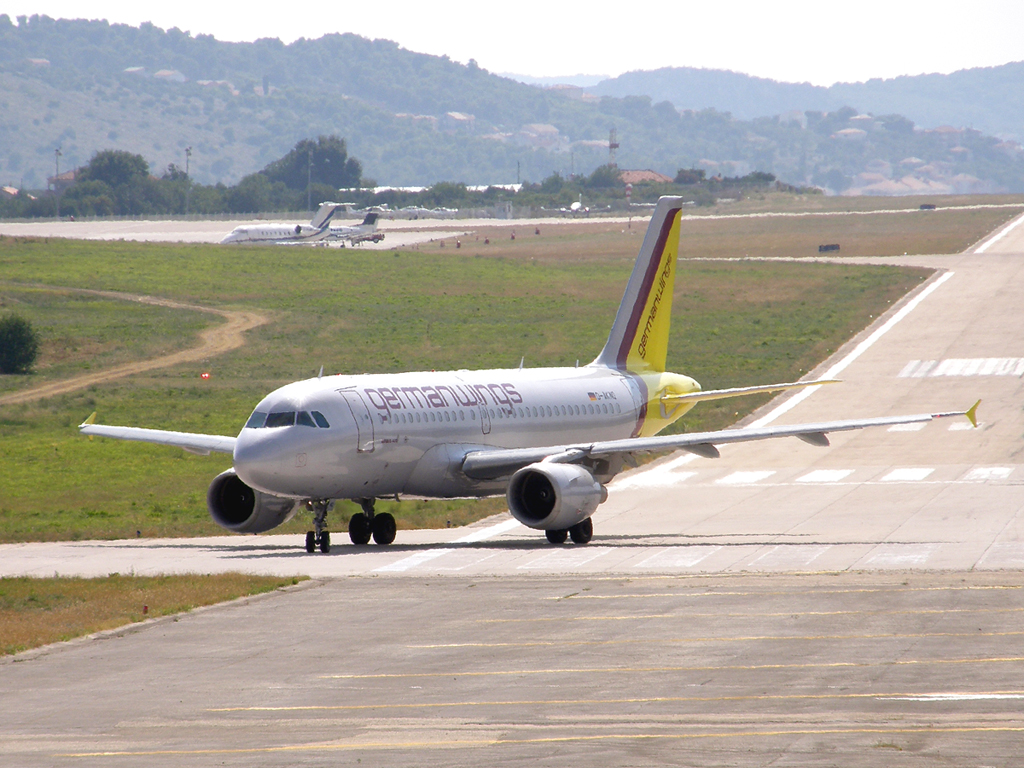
<point>412,119</point>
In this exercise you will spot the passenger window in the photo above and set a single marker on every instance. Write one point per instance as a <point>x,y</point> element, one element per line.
<point>256,421</point>
<point>281,419</point>
<point>320,420</point>
<point>590,410</point>
<point>305,420</point>
<point>577,410</point>
<point>462,415</point>
<point>472,415</point>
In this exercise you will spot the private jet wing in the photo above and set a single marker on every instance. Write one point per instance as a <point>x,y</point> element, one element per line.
<point>487,464</point>
<point>191,442</point>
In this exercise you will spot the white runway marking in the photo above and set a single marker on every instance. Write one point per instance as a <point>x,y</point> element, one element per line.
<point>790,556</point>
<point>989,473</point>
<point>916,427</point>
<point>561,559</point>
<point>660,476</point>
<point>745,478</point>
<point>678,557</point>
<point>825,476</point>
<point>972,366</point>
<point>420,558</point>
<point>859,350</point>
<point>900,555</point>
<point>999,235</point>
<point>907,475</point>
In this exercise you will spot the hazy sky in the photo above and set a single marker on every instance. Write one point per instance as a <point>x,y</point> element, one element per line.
<point>819,41</point>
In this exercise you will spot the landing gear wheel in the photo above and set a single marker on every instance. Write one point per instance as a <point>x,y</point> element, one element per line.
<point>325,542</point>
<point>359,528</point>
<point>583,532</point>
<point>383,528</point>
<point>310,542</point>
<point>557,535</point>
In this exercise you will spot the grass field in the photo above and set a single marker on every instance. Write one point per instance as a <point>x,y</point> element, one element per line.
<point>35,612</point>
<point>728,232</point>
<point>549,297</point>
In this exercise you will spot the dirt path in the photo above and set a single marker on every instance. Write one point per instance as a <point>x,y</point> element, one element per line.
<point>213,341</point>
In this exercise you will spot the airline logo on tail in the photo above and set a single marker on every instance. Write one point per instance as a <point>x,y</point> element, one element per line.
<point>648,344</point>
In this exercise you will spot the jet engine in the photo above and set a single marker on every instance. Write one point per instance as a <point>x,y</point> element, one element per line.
<point>239,508</point>
<point>550,496</point>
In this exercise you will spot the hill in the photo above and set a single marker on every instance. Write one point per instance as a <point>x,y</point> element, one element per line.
<point>410,118</point>
<point>987,99</point>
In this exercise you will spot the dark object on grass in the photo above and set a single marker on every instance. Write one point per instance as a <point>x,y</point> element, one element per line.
<point>19,345</point>
<point>830,247</point>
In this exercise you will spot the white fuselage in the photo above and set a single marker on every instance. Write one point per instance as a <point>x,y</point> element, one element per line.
<point>275,233</point>
<point>406,433</point>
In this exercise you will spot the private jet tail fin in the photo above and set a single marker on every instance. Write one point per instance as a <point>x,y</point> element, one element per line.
<point>371,219</point>
<point>638,341</point>
<point>324,214</point>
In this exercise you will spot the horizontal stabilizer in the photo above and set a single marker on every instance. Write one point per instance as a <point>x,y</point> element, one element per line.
<point>721,394</point>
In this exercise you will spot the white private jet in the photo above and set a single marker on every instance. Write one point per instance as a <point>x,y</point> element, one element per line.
<point>550,439</point>
<point>286,234</point>
<point>357,233</point>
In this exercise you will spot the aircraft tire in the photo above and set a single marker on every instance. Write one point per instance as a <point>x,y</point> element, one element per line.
<point>359,529</point>
<point>557,535</point>
<point>583,532</point>
<point>384,529</point>
<point>310,542</point>
<point>325,542</point>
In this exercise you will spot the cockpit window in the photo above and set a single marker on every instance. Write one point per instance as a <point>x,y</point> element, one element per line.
<point>320,420</point>
<point>305,420</point>
<point>256,421</point>
<point>281,419</point>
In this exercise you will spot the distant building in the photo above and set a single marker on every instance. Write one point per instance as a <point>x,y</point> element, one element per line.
<point>170,75</point>
<point>59,184</point>
<point>39,62</point>
<point>646,176</point>
<point>850,134</point>
<point>453,122</point>
<point>140,71</point>
<point>9,191</point>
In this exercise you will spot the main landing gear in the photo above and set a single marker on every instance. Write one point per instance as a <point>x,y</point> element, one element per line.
<point>365,524</point>
<point>320,537</point>
<point>581,533</point>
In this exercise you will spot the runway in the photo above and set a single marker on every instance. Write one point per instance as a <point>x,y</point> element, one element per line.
<point>857,605</point>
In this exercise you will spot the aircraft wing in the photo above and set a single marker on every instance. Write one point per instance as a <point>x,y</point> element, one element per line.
<point>191,442</point>
<point>489,464</point>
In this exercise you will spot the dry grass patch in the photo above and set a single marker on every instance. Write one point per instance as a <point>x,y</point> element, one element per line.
<point>877,234</point>
<point>35,612</point>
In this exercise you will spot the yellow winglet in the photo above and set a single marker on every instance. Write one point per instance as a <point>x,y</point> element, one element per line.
<point>972,414</point>
<point>90,420</point>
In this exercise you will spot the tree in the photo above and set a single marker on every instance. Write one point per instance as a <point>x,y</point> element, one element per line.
<point>604,176</point>
<point>19,345</point>
<point>324,161</point>
<point>115,167</point>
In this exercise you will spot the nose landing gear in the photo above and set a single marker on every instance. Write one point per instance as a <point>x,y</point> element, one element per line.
<point>367,523</point>
<point>320,537</point>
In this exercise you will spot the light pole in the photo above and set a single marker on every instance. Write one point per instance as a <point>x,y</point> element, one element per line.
<point>56,178</point>
<point>309,181</point>
<point>188,179</point>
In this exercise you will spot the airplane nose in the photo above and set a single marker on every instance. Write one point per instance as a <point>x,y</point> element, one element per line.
<point>260,456</point>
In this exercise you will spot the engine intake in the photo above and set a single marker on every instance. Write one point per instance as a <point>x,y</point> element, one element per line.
<point>239,508</point>
<point>549,496</point>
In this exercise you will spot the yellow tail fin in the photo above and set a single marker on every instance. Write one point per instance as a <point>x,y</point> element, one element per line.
<point>638,341</point>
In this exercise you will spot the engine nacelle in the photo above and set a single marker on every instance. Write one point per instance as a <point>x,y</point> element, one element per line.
<point>549,496</point>
<point>239,508</point>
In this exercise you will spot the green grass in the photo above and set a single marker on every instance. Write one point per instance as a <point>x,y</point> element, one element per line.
<point>35,612</point>
<point>734,324</point>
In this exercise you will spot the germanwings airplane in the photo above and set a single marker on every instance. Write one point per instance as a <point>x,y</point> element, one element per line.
<point>286,234</point>
<point>549,439</point>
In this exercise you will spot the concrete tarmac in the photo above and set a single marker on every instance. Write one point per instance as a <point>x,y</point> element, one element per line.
<point>782,605</point>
